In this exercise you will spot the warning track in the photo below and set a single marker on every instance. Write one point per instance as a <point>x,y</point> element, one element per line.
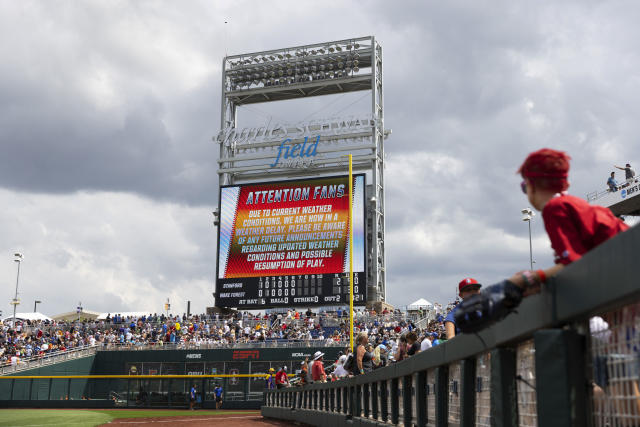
<point>252,418</point>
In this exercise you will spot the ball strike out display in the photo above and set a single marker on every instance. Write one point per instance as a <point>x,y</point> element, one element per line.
<point>287,243</point>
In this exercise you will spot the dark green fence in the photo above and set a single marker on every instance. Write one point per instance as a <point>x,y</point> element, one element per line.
<point>549,364</point>
<point>152,392</point>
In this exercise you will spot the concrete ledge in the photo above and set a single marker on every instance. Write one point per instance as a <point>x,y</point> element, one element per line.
<point>318,418</point>
<point>305,416</point>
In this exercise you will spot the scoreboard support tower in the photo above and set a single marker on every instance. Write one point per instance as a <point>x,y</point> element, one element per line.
<point>329,68</point>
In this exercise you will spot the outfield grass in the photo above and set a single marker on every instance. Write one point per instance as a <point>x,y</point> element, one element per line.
<point>89,418</point>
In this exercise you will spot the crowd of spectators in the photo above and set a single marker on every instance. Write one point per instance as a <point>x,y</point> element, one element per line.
<point>35,339</point>
<point>379,341</point>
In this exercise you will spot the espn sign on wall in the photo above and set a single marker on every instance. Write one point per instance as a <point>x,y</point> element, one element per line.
<point>287,243</point>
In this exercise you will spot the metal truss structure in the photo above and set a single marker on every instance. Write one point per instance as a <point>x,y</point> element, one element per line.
<point>253,154</point>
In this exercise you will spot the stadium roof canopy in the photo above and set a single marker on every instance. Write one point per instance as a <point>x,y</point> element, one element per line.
<point>28,316</point>
<point>421,303</point>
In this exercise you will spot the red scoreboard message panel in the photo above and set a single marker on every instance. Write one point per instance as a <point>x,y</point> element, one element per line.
<point>286,243</point>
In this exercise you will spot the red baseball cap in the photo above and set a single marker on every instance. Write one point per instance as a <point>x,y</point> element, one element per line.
<point>468,282</point>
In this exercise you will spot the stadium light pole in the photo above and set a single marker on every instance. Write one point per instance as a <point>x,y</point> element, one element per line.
<point>18,259</point>
<point>527,215</point>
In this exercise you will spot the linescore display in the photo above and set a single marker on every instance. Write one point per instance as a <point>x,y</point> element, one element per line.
<point>287,243</point>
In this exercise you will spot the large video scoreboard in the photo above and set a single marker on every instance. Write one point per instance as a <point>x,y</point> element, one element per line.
<point>286,243</point>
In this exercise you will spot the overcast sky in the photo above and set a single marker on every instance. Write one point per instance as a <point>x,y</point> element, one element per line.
<point>107,110</point>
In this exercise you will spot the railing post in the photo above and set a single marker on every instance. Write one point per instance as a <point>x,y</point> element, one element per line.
<point>394,401</point>
<point>407,394</point>
<point>324,405</point>
<point>352,401</point>
<point>328,398</point>
<point>468,392</point>
<point>357,412</point>
<point>504,403</point>
<point>421,399</point>
<point>375,411</point>
<point>561,392</point>
<point>346,400</point>
<point>384,401</point>
<point>332,399</point>
<point>366,396</point>
<point>442,396</point>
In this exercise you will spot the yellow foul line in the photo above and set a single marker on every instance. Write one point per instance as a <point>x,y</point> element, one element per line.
<point>133,376</point>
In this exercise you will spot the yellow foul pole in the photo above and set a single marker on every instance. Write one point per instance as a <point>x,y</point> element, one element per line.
<point>351,251</point>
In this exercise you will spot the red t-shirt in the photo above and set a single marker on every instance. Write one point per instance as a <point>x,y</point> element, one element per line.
<point>317,371</point>
<point>575,227</point>
<point>281,377</point>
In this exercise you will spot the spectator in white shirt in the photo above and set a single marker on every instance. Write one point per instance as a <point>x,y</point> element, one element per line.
<point>426,343</point>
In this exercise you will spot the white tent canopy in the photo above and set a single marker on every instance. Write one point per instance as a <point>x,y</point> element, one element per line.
<point>28,316</point>
<point>418,304</point>
<point>70,316</point>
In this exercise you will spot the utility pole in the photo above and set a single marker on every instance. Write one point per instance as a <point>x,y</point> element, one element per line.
<point>15,302</point>
<point>527,215</point>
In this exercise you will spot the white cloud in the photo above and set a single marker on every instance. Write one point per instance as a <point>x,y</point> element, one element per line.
<point>108,172</point>
<point>113,251</point>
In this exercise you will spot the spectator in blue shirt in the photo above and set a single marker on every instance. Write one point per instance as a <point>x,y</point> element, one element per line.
<point>192,397</point>
<point>218,392</point>
<point>435,341</point>
<point>466,288</point>
<point>612,183</point>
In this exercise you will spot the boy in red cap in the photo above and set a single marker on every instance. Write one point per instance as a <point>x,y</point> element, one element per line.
<point>574,226</point>
<point>466,288</point>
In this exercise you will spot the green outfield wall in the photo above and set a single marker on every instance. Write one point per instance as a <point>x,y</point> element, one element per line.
<point>150,392</point>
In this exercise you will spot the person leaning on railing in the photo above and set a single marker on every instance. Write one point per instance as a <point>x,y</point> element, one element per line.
<point>573,226</point>
<point>317,368</point>
<point>629,173</point>
<point>612,183</point>
<point>466,288</point>
<point>364,359</point>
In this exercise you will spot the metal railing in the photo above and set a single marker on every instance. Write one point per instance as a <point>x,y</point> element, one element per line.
<point>47,359</point>
<point>595,195</point>
<point>279,343</point>
<point>545,365</point>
